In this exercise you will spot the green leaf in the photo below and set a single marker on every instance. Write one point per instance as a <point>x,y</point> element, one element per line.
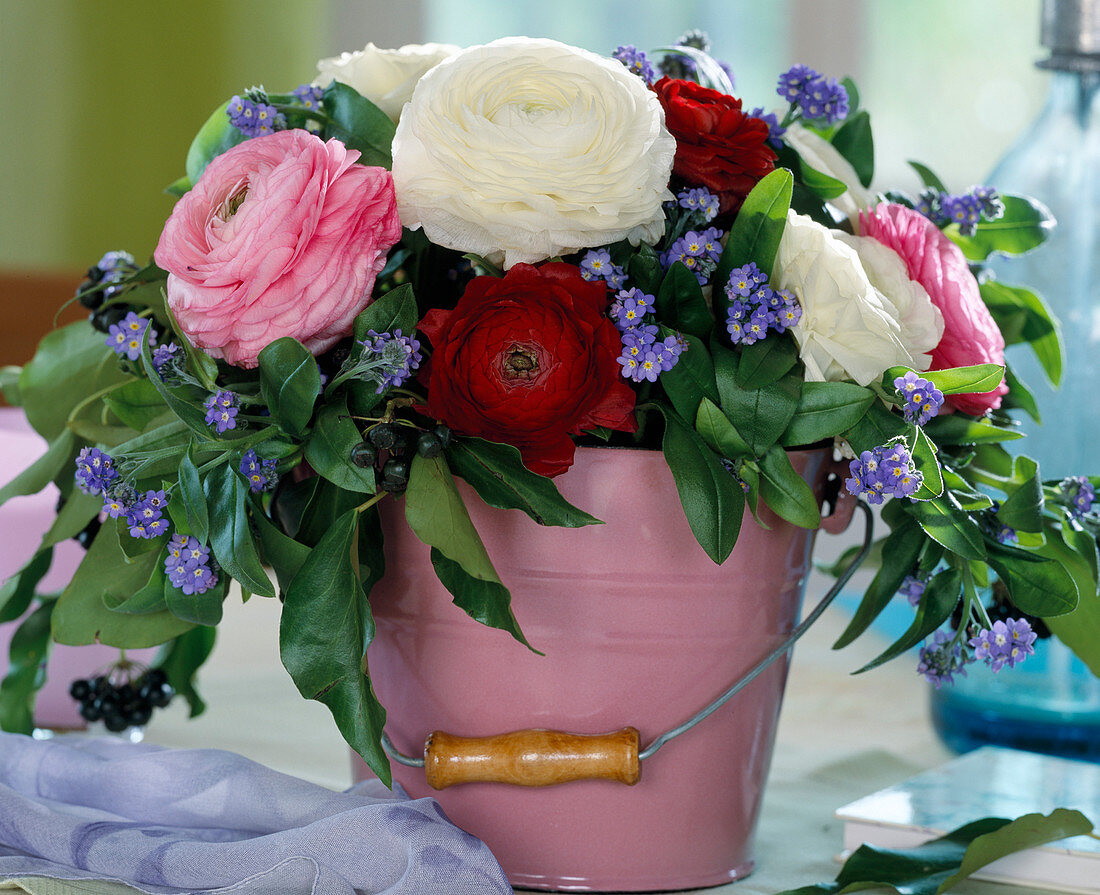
<point>855,142</point>
<point>284,554</point>
<point>1023,508</point>
<point>202,609</point>
<point>878,426</point>
<point>645,269</point>
<point>945,522</point>
<point>719,433</point>
<point>290,383</point>
<point>691,380</point>
<point>785,491</point>
<point>326,503</point>
<point>324,633</point>
<point>394,310</point>
<point>680,303</point>
<point>826,409</point>
<point>1022,316</point>
<point>766,361</point>
<point>760,415</point>
<point>496,472</point>
<point>150,598</point>
<point>18,590</point>
<point>936,866</point>
<point>485,601</point>
<point>201,363</point>
<point>820,184</point>
<point>1024,225</point>
<point>81,615</point>
<point>927,177</point>
<point>941,595</point>
<point>712,498</point>
<point>193,498</point>
<point>1075,551</point>
<point>71,364</point>
<point>137,404</point>
<point>179,187</point>
<point>979,378</point>
<point>27,654</point>
<point>358,124</point>
<point>43,470</point>
<point>900,552</point>
<point>1020,396</point>
<point>1044,589</point>
<point>183,402</point>
<point>182,658</point>
<point>328,450</point>
<point>928,465</point>
<point>758,227</point>
<point>1025,832</point>
<point>961,429</point>
<point>214,137</point>
<point>438,517</point>
<point>372,553</point>
<point>230,536</point>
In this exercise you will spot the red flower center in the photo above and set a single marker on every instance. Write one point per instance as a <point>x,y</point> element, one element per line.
<point>520,362</point>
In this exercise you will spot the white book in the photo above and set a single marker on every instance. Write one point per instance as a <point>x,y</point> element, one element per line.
<point>989,782</point>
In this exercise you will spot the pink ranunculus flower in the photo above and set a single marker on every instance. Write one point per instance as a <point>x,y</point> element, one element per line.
<point>283,235</point>
<point>970,335</point>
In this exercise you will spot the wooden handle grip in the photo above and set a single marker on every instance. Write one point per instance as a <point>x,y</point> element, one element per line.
<point>531,758</point>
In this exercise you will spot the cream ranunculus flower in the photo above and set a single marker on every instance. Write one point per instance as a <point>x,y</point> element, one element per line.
<point>821,155</point>
<point>523,149</point>
<point>385,77</point>
<point>921,321</point>
<point>849,329</point>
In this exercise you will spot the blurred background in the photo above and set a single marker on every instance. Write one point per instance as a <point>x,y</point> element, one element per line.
<point>100,100</point>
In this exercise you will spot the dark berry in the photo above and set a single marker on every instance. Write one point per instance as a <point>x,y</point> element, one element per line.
<point>115,722</point>
<point>100,684</point>
<point>89,296</point>
<point>443,434</point>
<point>429,445</point>
<point>80,689</point>
<point>364,455</point>
<point>156,677</point>
<point>105,318</point>
<point>383,436</point>
<point>89,711</point>
<point>87,534</point>
<point>139,715</point>
<point>126,693</point>
<point>162,696</point>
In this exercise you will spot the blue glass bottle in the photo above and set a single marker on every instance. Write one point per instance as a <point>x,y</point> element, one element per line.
<point>1051,702</point>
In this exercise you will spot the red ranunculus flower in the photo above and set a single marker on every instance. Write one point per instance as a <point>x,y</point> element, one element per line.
<point>717,145</point>
<point>527,360</point>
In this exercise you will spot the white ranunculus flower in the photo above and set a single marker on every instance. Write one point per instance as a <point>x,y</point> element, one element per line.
<point>523,149</point>
<point>385,77</point>
<point>821,155</point>
<point>921,321</point>
<point>848,330</point>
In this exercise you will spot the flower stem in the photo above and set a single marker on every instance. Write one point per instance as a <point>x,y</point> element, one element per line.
<point>370,503</point>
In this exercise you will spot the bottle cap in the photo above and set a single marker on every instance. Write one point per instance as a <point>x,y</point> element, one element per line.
<point>1071,30</point>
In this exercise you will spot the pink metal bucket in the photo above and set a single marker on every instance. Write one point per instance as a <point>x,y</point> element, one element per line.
<point>639,628</point>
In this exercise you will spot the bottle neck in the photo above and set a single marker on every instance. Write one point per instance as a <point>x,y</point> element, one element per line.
<point>1076,93</point>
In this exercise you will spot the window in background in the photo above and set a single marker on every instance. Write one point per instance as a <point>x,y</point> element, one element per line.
<point>947,83</point>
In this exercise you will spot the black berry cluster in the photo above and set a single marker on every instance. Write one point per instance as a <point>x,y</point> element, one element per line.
<point>120,700</point>
<point>398,443</point>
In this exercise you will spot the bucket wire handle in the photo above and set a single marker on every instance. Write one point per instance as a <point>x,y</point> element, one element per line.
<point>546,757</point>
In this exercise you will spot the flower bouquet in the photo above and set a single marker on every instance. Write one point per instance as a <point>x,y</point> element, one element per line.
<point>436,263</point>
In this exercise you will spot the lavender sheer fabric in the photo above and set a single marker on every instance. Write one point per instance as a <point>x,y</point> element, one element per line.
<point>204,820</point>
